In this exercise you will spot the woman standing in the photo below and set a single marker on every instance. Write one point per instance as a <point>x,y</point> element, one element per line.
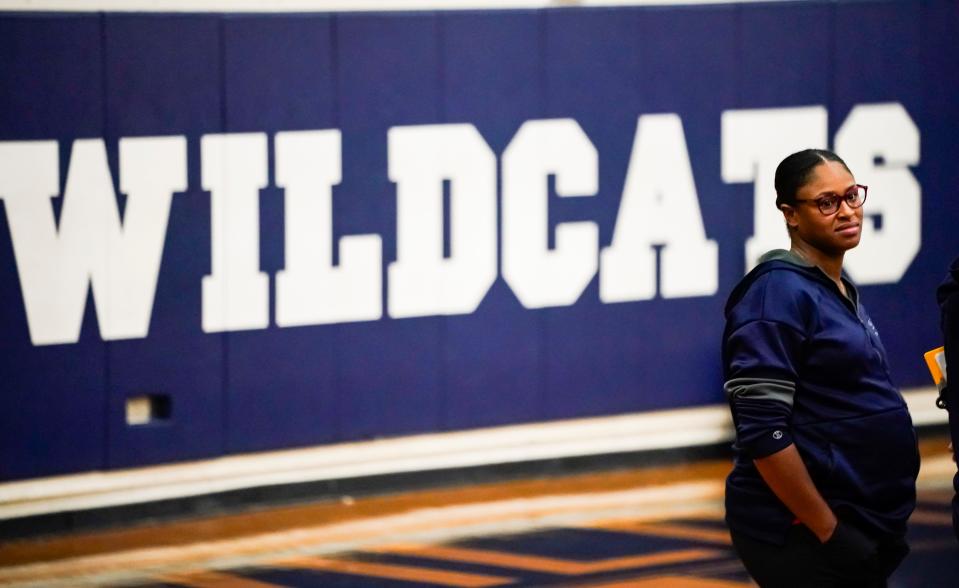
<point>948,297</point>
<point>826,455</point>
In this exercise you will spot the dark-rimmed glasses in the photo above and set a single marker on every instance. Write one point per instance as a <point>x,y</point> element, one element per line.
<point>829,204</point>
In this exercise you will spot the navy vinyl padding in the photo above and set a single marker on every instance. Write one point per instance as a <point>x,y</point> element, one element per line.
<point>65,77</point>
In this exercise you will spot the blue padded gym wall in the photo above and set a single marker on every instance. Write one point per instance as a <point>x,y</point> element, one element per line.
<point>70,77</point>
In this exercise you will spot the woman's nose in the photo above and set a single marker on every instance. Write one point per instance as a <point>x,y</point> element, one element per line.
<point>845,210</point>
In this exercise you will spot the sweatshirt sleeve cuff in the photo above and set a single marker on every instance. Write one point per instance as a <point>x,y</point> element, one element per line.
<point>769,442</point>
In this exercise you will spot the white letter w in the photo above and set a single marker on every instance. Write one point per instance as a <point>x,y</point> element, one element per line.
<point>92,246</point>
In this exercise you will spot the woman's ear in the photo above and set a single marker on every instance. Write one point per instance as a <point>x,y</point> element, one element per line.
<point>792,218</point>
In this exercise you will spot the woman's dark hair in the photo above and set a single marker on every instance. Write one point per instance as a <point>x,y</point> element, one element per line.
<point>794,171</point>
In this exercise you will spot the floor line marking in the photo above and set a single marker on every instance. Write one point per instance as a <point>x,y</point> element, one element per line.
<point>548,565</point>
<point>709,512</point>
<point>938,496</point>
<point>672,582</point>
<point>394,572</point>
<point>734,564</point>
<point>694,571</point>
<point>947,543</point>
<point>211,579</point>
<point>671,530</point>
<point>704,569</point>
<point>926,517</point>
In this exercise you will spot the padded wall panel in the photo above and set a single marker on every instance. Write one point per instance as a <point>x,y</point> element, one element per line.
<point>601,355</point>
<point>786,57</point>
<point>938,117</point>
<point>597,81</point>
<point>52,397</point>
<point>786,54</point>
<point>492,77</point>
<point>113,76</point>
<point>877,57</point>
<point>163,78</point>
<point>388,371</point>
<point>279,76</point>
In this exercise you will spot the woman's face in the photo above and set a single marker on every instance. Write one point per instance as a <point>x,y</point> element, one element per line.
<point>831,234</point>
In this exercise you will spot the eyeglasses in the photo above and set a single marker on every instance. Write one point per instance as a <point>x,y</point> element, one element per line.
<point>829,204</point>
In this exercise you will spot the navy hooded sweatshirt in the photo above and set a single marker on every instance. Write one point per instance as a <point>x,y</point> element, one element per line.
<point>948,296</point>
<point>804,365</point>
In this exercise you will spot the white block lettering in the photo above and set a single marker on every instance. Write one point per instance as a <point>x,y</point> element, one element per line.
<point>879,142</point>
<point>310,290</point>
<point>92,246</point>
<point>659,207</point>
<point>421,281</point>
<point>236,293</point>
<point>753,144</point>
<point>541,277</point>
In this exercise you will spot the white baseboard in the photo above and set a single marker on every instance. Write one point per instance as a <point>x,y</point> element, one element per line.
<point>678,428</point>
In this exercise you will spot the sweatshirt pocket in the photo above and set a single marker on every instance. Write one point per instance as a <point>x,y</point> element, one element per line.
<point>870,461</point>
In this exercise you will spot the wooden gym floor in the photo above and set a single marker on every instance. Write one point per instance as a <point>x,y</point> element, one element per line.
<point>645,527</point>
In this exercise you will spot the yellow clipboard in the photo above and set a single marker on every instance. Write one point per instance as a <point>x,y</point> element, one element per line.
<point>936,362</point>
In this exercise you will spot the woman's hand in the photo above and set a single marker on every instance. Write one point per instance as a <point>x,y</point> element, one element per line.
<point>850,544</point>
<point>786,475</point>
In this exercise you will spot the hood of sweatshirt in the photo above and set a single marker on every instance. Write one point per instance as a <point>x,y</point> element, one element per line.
<point>781,259</point>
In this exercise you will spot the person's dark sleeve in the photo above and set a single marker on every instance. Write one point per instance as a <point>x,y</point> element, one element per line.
<point>950,332</point>
<point>949,304</point>
<point>762,350</point>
